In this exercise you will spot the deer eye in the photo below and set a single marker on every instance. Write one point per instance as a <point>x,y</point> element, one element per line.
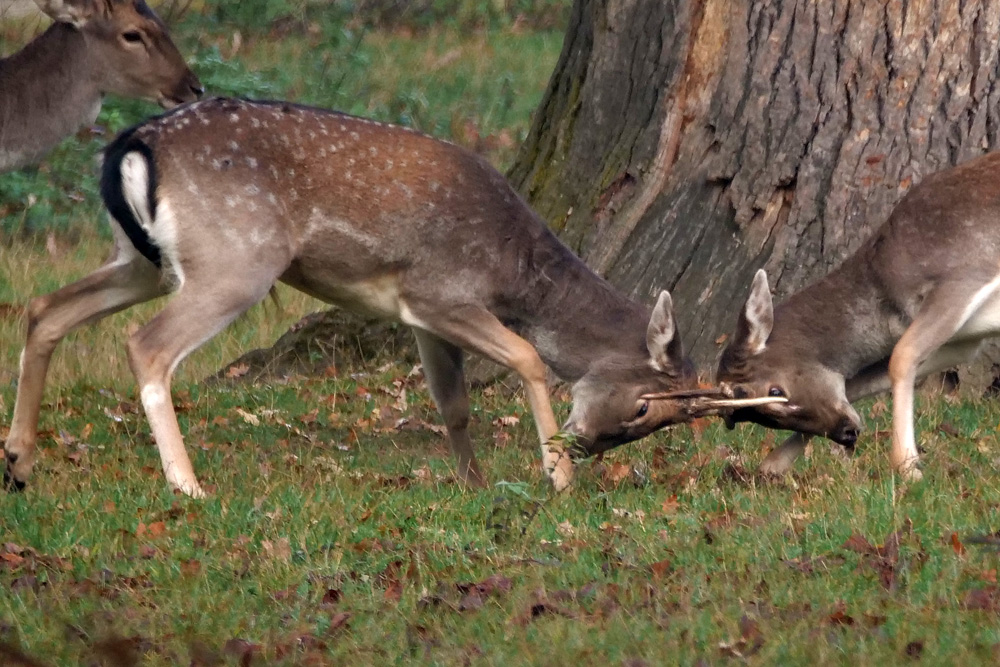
<point>777,392</point>
<point>132,36</point>
<point>643,409</point>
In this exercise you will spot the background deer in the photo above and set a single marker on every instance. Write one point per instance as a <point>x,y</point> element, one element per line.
<point>217,200</point>
<point>54,85</point>
<point>918,297</point>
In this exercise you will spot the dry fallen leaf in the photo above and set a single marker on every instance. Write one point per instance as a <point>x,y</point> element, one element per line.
<point>670,505</point>
<point>237,370</point>
<point>278,550</point>
<point>251,419</point>
<point>956,545</point>
<point>616,473</point>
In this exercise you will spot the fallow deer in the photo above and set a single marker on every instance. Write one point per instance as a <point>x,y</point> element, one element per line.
<point>218,200</point>
<point>55,84</point>
<point>917,297</point>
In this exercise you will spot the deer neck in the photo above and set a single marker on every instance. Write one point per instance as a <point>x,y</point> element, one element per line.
<point>843,321</point>
<point>575,319</point>
<point>48,93</point>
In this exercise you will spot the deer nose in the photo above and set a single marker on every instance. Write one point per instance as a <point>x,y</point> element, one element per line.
<point>197,89</point>
<point>846,433</point>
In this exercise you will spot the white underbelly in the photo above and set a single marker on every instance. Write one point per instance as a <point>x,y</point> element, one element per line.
<point>376,296</point>
<point>984,319</point>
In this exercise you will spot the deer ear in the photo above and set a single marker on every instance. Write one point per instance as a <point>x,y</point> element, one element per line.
<point>662,340</point>
<point>74,12</point>
<point>757,317</point>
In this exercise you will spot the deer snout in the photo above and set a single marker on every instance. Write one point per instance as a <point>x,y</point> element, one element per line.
<point>846,432</point>
<point>579,432</point>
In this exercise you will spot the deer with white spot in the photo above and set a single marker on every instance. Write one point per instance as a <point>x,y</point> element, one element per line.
<point>55,84</point>
<point>918,297</point>
<point>218,200</point>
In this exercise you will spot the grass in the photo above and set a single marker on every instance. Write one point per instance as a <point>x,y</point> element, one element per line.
<point>333,536</point>
<point>335,532</point>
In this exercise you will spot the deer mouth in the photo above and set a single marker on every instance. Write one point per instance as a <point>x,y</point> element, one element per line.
<point>189,91</point>
<point>171,101</point>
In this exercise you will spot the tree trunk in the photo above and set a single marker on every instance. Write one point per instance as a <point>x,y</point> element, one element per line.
<point>683,144</point>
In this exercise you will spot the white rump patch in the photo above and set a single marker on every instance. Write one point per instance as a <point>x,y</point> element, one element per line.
<point>135,185</point>
<point>163,229</point>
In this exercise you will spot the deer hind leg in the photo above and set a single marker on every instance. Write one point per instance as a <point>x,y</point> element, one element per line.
<point>475,328</point>
<point>923,348</point>
<point>196,313</point>
<point>443,369</point>
<point>115,286</point>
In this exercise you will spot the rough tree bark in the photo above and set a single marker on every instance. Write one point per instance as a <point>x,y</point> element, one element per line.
<point>686,143</point>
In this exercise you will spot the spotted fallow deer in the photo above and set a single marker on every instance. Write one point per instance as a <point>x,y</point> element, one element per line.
<point>217,200</point>
<point>919,296</point>
<point>55,84</point>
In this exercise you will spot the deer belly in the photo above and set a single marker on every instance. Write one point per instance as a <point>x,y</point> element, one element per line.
<point>377,296</point>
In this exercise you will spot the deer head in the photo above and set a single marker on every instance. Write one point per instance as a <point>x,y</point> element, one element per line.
<point>754,366</point>
<point>132,51</point>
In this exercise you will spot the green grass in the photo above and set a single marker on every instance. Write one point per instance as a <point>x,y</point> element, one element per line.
<point>666,551</point>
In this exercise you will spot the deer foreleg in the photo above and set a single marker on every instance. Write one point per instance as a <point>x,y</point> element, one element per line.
<point>477,329</point>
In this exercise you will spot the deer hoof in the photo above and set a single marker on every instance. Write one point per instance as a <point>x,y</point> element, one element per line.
<point>192,489</point>
<point>559,467</point>
<point>776,466</point>
<point>911,473</point>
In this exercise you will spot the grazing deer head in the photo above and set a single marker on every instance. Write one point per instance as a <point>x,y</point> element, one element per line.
<point>918,297</point>
<point>55,84</point>
<point>216,201</point>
